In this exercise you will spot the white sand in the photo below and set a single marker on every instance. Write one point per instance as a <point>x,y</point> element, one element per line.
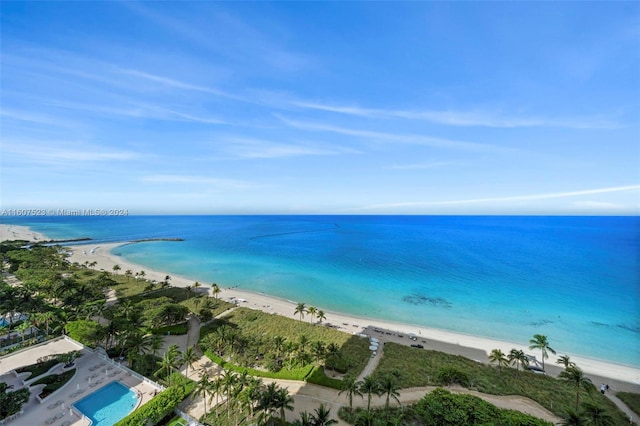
<point>105,260</point>
<point>17,232</point>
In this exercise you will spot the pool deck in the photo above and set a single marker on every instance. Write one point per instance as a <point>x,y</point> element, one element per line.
<point>93,372</point>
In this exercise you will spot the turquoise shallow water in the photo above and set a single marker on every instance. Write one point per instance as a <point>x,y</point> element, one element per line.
<point>575,279</point>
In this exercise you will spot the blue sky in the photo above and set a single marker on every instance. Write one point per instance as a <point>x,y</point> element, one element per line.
<point>303,107</point>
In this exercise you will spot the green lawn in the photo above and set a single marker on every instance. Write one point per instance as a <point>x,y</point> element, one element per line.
<point>177,421</point>
<point>419,367</point>
<point>172,330</point>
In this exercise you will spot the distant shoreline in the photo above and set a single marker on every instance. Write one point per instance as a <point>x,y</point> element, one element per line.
<point>471,346</point>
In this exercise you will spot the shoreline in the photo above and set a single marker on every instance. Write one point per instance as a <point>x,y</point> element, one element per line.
<point>470,346</point>
<point>443,340</point>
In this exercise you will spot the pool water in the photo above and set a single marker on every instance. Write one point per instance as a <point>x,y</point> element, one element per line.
<point>108,405</point>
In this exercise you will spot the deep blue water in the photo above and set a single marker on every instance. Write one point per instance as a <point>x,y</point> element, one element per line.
<point>575,279</point>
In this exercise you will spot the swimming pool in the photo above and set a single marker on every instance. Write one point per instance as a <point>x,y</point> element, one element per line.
<point>108,405</point>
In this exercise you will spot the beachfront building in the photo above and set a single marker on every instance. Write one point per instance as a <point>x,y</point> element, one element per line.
<point>95,386</point>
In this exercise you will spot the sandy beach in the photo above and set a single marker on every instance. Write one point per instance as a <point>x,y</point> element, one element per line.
<point>474,347</point>
<point>17,232</point>
<point>443,340</point>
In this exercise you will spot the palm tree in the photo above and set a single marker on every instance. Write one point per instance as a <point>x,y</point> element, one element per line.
<point>518,358</point>
<point>116,268</point>
<point>351,387</point>
<point>565,361</point>
<point>189,356</point>
<point>389,386</point>
<point>318,350</point>
<point>596,415</point>
<point>283,401</point>
<point>575,376</point>
<point>303,341</point>
<point>203,388</point>
<point>155,343</point>
<point>499,358</point>
<point>215,290</point>
<point>305,420</point>
<point>322,416</point>
<point>321,316</point>
<point>300,310</point>
<point>540,341</point>
<point>311,310</point>
<point>22,329</point>
<point>573,418</point>
<point>370,387</point>
<point>169,361</point>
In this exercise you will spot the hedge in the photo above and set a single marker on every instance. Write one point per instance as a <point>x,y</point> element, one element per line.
<point>158,408</point>
<point>318,377</point>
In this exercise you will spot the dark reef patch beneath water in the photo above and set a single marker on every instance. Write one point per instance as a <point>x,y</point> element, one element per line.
<point>419,299</point>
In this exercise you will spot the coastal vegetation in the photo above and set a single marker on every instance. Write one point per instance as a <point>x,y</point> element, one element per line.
<point>55,297</point>
<point>271,344</point>
<point>632,400</point>
<point>243,399</point>
<point>159,408</point>
<point>419,367</point>
<point>443,408</point>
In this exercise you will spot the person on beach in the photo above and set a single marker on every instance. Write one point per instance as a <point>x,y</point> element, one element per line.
<point>602,388</point>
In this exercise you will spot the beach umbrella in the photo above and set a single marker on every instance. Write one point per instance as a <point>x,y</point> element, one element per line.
<point>373,348</point>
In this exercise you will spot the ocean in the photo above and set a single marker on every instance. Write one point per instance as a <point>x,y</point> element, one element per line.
<point>574,279</point>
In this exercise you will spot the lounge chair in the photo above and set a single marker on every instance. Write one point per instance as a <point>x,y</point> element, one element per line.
<point>50,420</point>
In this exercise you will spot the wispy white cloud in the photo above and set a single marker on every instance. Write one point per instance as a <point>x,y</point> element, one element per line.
<point>260,148</point>
<point>138,110</point>
<point>532,197</point>
<point>61,153</point>
<point>36,118</point>
<point>463,118</point>
<point>170,82</point>
<point>395,138</point>
<point>216,183</point>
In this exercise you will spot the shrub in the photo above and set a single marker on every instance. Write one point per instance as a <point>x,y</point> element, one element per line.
<point>84,331</point>
<point>38,368</point>
<point>448,376</point>
<point>12,402</point>
<point>631,399</point>
<point>319,377</point>
<point>440,408</point>
<point>54,382</point>
<point>155,410</point>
